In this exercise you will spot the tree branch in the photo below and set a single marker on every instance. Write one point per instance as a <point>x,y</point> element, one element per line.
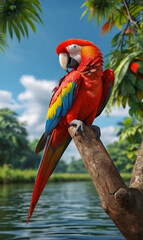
<point>129,20</point>
<point>137,174</point>
<point>128,11</point>
<point>123,33</point>
<point>122,204</point>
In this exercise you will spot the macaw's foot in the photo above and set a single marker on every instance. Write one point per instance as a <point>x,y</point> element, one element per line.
<point>97,131</point>
<point>79,125</point>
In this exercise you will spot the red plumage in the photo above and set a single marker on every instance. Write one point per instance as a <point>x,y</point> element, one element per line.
<point>62,46</point>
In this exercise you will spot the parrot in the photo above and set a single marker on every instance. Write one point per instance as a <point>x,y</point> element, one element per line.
<point>80,96</point>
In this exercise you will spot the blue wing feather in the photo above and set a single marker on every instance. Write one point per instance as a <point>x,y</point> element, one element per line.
<point>67,101</point>
<point>65,105</point>
<point>71,96</point>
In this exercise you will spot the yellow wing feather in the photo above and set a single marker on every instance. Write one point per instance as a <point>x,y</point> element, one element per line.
<point>58,102</point>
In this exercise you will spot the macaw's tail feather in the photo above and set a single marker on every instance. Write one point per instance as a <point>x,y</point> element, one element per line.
<point>52,153</point>
<point>41,143</point>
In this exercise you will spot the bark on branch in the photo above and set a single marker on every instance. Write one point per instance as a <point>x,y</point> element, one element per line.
<point>123,205</point>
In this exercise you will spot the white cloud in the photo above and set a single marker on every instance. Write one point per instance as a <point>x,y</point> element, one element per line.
<point>70,152</point>
<point>108,135</point>
<point>118,112</point>
<point>35,101</point>
<point>6,100</point>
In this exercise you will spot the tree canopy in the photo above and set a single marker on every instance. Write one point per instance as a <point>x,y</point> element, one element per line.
<point>13,136</point>
<point>14,145</point>
<point>16,17</point>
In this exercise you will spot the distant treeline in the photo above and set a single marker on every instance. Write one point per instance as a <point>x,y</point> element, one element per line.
<point>18,152</point>
<point>11,175</point>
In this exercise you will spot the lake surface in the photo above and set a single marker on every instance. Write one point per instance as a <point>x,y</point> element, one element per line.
<point>66,211</point>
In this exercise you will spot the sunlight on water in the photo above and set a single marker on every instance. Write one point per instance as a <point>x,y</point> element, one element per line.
<point>66,211</point>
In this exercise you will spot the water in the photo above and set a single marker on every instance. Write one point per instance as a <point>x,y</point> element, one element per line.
<point>66,211</point>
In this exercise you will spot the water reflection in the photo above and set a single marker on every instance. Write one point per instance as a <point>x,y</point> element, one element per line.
<point>65,211</point>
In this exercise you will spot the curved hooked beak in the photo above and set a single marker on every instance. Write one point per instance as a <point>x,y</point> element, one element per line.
<point>67,62</point>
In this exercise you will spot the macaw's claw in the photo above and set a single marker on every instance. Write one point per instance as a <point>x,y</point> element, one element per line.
<point>79,125</point>
<point>97,131</point>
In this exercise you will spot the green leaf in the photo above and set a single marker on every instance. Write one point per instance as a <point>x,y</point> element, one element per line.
<point>19,25</point>
<point>134,99</point>
<point>31,16</point>
<point>138,137</point>
<point>124,101</point>
<point>10,29</point>
<point>3,39</point>
<point>124,64</point>
<point>127,122</point>
<point>118,22</point>
<point>124,88</point>
<point>119,99</point>
<point>86,10</point>
<point>122,68</point>
<point>16,30</point>
<point>139,84</point>
<point>141,25</point>
<point>4,26</point>
<point>2,49</point>
<point>131,77</point>
<point>115,38</point>
<point>37,4</point>
<point>24,26</point>
<point>90,16</point>
<point>130,88</point>
<point>84,4</point>
<point>31,24</point>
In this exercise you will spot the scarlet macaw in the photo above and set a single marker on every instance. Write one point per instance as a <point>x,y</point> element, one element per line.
<point>81,94</point>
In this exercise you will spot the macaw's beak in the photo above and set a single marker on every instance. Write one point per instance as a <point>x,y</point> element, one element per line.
<point>67,62</point>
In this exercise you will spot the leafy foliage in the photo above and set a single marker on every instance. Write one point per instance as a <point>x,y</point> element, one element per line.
<point>128,87</point>
<point>99,9</point>
<point>131,131</point>
<point>14,145</point>
<point>114,12</point>
<point>127,47</point>
<point>17,16</point>
<point>119,154</point>
<point>13,136</point>
<point>126,59</point>
<point>74,166</point>
<point>3,42</point>
<point>61,167</point>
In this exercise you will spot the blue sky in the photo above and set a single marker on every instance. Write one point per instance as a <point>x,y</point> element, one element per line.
<point>30,69</point>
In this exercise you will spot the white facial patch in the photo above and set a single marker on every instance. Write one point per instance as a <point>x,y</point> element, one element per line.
<point>75,52</point>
